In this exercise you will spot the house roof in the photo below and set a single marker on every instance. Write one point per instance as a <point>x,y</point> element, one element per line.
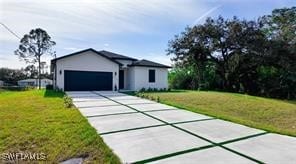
<point>147,63</point>
<point>113,56</point>
<point>116,56</point>
<point>89,49</point>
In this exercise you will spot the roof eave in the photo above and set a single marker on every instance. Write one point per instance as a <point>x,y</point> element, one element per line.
<point>126,59</point>
<point>135,65</point>
<point>89,49</point>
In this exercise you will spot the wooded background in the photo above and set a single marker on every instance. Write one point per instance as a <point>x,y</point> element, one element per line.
<point>254,57</point>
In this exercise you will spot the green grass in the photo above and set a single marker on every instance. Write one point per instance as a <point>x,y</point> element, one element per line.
<point>36,121</point>
<point>272,115</point>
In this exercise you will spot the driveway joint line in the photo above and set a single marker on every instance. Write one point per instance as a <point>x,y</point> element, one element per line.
<point>99,106</point>
<point>158,110</point>
<point>205,147</point>
<point>174,154</point>
<point>242,138</point>
<point>217,144</point>
<point>131,129</point>
<point>93,100</point>
<point>145,127</point>
<point>184,130</point>
<point>198,120</point>
<point>111,114</point>
<point>132,103</point>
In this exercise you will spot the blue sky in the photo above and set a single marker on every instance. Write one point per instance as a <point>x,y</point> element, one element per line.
<point>136,28</point>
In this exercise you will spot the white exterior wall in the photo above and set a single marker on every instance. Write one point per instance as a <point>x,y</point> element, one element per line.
<point>131,78</point>
<point>139,78</point>
<point>126,79</point>
<point>86,61</point>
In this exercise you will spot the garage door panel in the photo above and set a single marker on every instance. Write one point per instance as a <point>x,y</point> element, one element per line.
<point>87,81</point>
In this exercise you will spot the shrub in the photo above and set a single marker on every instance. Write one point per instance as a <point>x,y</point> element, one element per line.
<point>151,98</point>
<point>49,87</point>
<point>140,94</point>
<point>142,89</point>
<point>145,96</point>
<point>68,101</point>
<point>158,99</point>
<point>181,78</point>
<point>149,89</point>
<point>163,89</point>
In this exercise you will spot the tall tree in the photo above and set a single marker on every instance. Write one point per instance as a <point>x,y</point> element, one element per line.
<point>34,45</point>
<point>32,71</point>
<point>227,43</point>
<point>280,29</point>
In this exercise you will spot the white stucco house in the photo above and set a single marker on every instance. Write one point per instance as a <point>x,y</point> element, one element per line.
<point>34,82</point>
<point>89,69</point>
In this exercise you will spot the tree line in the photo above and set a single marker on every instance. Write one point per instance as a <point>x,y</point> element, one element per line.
<point>256,57</point>
<point>12,76</point>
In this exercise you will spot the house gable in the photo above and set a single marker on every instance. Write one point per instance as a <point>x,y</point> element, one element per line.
<point>85,61</point>
<point>83,52</point>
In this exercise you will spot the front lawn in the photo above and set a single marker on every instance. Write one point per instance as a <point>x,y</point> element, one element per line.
<point>269,114</point>
<point>37,122</point>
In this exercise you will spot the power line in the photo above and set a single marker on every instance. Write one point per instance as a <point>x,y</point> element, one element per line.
<point>8,29</point>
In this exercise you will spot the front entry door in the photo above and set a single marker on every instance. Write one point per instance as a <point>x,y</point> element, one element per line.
<point>121,79</point>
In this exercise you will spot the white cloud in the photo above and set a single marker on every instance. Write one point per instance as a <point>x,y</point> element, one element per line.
<point>206,14</point>
<point>79,24</point>
<point>69,18</point>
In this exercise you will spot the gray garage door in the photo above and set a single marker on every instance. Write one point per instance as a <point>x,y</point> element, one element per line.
<point>87,81</point>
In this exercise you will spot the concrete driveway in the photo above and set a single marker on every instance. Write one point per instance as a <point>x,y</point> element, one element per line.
<point>139,130</point>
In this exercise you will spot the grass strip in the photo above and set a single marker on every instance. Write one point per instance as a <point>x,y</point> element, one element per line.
<point>159,110</point>
<point>96,106</point>
<point>131,129</point>
<point>112,114</point>
<point>242,138</point>
<point>145,127</point>
<point>173,154</point>
<point>183,122</point>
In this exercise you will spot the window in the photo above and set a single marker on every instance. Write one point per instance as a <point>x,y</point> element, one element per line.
<point>151,76</point>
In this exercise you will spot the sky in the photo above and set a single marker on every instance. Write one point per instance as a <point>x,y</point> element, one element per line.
<point>135,28</point>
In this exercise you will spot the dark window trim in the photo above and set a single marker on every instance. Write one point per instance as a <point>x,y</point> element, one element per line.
<point>151,78</point>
